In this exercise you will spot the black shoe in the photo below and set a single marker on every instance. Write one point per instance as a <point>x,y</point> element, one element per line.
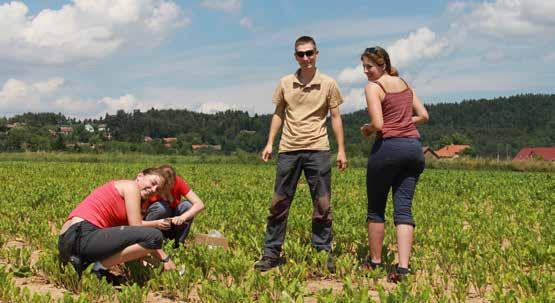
<point>78,264</point>
<point>330,264</point>
<point>397,275</point>
<point>370,265</point>
<point>267,263</point>
<point>110,277</point>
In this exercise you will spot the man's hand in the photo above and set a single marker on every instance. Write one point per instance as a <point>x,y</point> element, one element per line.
<point>341,160</point>
<point>267,153</point>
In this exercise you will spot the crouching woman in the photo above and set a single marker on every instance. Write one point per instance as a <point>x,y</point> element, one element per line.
<point>106,227</point>
<point>168,205</point>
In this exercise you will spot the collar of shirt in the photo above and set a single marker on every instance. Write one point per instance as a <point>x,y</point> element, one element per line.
<point>316,80</point>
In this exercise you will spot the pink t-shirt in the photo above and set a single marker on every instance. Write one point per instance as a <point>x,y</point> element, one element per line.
<point>104,207</point>
<point>397,115</point>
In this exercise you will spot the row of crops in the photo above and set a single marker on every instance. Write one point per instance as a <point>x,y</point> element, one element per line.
<point>480,236</point>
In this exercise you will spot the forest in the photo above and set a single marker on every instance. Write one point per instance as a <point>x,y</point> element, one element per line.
<point>493,127</point>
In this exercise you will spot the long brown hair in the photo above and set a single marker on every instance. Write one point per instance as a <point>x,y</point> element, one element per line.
<point>379,56</point>
<point>166,190</point>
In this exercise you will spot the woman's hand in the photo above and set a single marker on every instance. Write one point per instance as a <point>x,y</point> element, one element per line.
<point>164,224</point>
<point>179,220</point>
<point>366,130</point>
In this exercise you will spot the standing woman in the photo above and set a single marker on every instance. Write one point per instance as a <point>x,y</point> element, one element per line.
<point>107,228</point>
<point>396,160</point>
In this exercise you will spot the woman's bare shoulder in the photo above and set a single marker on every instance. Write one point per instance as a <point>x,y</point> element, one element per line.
<point>125,186</point>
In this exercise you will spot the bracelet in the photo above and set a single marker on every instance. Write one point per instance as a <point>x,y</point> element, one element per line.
<point>166,259</point>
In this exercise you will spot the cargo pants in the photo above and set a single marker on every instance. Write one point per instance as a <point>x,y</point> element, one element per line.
<point>317,170</point>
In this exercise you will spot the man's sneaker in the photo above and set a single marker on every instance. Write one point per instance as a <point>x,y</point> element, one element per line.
<point>330,264</point>
<point>110,277</point>
<point>267,263</point>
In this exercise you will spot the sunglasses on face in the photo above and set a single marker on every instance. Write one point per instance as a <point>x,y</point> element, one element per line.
<point>308,53</point>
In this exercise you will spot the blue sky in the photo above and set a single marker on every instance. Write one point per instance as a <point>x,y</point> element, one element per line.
<point>85,58</point>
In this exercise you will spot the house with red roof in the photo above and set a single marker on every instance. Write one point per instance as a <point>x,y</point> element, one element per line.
<point>531,153</point>
<point>451,151</point>
<point>429,153</point>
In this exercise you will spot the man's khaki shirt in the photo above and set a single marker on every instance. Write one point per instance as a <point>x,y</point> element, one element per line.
<point>305,110</point>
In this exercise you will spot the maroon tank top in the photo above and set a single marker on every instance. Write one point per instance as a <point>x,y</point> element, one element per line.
<point>397,114</point>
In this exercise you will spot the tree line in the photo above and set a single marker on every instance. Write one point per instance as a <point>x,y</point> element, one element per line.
<point>493,127</point>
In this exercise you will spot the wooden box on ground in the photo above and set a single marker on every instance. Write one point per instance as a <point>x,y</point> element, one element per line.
<point>205,239</point>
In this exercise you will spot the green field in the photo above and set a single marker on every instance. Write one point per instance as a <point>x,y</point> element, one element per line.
<point>480,236</point>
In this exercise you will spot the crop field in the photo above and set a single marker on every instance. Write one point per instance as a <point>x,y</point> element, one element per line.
<point>480,236</point>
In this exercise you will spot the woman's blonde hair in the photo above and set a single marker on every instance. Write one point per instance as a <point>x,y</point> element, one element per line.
<point>379,56</point>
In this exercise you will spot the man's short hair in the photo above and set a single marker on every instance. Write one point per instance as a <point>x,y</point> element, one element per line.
<point>305,39</point>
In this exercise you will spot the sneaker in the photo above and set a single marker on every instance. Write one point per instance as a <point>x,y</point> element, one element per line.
<point>397,275</point>
<point>330,264</point>
<point>370,265</point>
<point>267,263</point>
<point>110,277</point>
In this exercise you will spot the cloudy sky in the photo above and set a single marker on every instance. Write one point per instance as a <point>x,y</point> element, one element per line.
<point>85,58</point>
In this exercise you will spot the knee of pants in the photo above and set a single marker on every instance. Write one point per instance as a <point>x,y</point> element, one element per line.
<point>183,207</point>
<point>280,207</point>
<point>158,210</point>
<point>153,239</point>
<point>403,216</point>
<point>322,213</point>
<point>373,217</point>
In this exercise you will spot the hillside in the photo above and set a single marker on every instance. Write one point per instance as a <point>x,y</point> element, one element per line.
<point>495,126</point>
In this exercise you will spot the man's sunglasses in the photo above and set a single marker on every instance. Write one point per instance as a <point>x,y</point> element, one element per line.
<point>308,53</point>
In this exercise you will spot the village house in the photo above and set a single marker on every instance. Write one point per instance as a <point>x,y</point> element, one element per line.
<point>536,153</point>
<point>53,133</point>
<point>15,125</point>
<point>451,151</point>
<point>66,130</point>
<point>429,154</point>
<point>168,141</point>
<point>196,147</point>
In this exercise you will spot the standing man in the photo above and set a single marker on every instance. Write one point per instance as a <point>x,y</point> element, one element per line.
<point>303,101</point>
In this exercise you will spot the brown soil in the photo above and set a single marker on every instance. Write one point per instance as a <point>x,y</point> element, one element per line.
<point>37,284</point>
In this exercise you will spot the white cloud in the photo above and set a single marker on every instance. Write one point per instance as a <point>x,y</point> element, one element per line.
<point>228,6</point>
<point>127,102</point>
<point>352,75</point>
<point>50,86</point>
<point>354,100</point>
<point>247,23</point>
<point>19,96</point>
<point>213,107</point>
<point>508,17</point>
<point>254,97</point>
<point>84,29</point>
<point>76,107</point>
<point>550,56</point>
<point>421,44</point>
